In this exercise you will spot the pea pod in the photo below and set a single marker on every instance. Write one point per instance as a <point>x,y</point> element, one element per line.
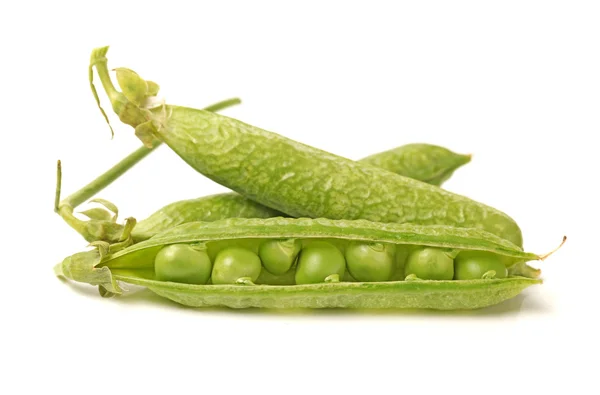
<point>424,162</point>
<point>135,265</point>
<point>294,178</point>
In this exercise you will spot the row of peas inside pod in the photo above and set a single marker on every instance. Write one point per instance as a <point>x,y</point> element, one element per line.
<point>312,261</point>
<point>304,262</point>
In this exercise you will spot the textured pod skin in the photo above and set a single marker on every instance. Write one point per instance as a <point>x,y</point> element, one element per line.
<point>303,181</point>
<point>208,209</point>
<point>436,295</point>
<point>294,178</point>
<point>425,162</point>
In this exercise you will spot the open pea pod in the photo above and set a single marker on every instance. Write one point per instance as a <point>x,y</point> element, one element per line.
<point>250,281</point>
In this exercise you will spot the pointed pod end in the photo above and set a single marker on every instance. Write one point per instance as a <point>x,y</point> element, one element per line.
<point>58,272</point>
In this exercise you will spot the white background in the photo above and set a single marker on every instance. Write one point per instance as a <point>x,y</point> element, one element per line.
<point>515,83</point>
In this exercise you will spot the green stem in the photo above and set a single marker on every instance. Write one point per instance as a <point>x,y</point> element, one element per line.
<point>107,178</point>
<point>223,104</point>
<point>58,186</point>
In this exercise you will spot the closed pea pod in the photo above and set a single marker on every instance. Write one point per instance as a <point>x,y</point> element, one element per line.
<point>134,264</point>
<point>309,182</point>
<point>423,162</point>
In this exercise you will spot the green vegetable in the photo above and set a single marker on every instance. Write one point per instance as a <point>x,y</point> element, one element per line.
<point>320,262</point>
<point>424,162</point>
<point>234,243</point>
<point>370,261</point>
<point>430,264</point>
<point>294,178</point>
<point>473,265</point>
<point>420,161</point>
<point>278,256</point>
<point>183,263</point>
<point>236,265</point>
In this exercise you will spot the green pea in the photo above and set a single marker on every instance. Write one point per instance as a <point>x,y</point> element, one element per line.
<point>278,256</point>
<point>319,261</point>
<point>234,263</point>
<point>370,261</point>
<point>472,265</point>
<point>430,264</point>
<point>183,263</point>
